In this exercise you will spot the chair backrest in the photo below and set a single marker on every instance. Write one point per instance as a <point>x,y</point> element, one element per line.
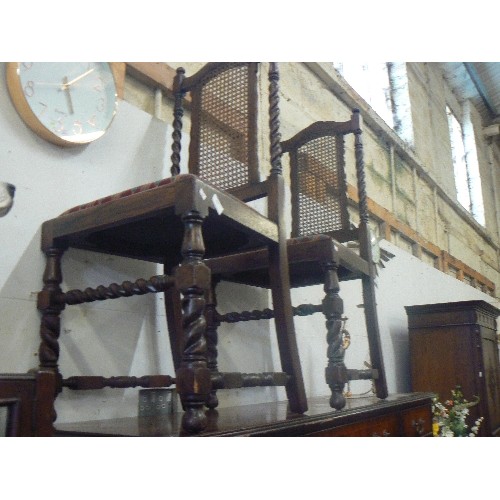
<point>223,147</point>
<point>318,179</point>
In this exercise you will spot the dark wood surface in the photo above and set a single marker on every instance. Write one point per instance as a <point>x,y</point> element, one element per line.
<point>305,256</point>
<point>455,344</point>
<point>30,397</point>
<point>397,415</point>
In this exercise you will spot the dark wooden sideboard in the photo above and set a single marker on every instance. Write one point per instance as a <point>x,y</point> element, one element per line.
<point>408,415</point>
<point>454,344</point>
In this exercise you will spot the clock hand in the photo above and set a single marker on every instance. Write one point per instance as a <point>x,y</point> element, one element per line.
<point>67,84</point>
<point>68,95</point>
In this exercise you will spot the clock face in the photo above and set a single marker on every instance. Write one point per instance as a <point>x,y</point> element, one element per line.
<point>66,103</point>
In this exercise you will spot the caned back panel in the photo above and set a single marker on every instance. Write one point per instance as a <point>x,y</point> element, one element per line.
<point>319,188</point>
<point>223,147</point>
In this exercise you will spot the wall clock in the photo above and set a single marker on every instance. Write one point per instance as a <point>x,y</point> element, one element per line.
<point>66,103</point>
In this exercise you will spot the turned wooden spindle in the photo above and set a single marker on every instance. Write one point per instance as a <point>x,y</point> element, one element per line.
<point>177,123</point>
<point>274,119</point>
<point>87,382</point>
<point>193,281</point>
<point>50,307</point>
<point>50,323</point>
<point>155,284</point>
<point>236,380</point>
<point>333,307</point>
<point>360,174</point>
<point>230,380</point>
<point>258,314</point>
<point>211,336</point>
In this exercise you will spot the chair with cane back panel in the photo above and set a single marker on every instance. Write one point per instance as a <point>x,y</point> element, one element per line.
<point>317,250</point>
<point>178,222</point>
<point>223,150</point>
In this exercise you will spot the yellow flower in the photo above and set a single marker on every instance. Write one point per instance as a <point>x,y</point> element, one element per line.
<point>435,429</point>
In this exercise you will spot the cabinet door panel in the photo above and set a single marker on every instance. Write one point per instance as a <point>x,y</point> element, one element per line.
<point>492,382</point>
<point>443,358</point>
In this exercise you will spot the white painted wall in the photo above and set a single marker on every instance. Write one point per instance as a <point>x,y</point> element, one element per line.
<point>129,336</point>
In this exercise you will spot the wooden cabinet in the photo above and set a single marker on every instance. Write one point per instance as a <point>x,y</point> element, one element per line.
<point>454,344</point>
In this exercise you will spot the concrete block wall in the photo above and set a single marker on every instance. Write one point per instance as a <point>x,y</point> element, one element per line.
<point>416,182</point>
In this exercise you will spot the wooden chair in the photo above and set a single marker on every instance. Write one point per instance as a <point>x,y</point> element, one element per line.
<point>178,222</point>
<point>317,250</point>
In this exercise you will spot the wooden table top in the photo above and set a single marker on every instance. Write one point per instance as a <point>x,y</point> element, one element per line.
<point>263,419</point>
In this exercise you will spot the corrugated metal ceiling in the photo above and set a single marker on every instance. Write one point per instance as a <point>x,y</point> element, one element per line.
<point>479,82</point>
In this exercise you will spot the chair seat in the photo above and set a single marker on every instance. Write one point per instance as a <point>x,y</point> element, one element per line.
<point>142,223</point>
<point>122,194</point>
<point>305,256</point>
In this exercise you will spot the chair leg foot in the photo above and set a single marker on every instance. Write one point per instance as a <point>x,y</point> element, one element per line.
<point>337,400</point>
<point>194,419</point>
<point>336,378</point>
<point>212,401</point>
<point>193,387</point>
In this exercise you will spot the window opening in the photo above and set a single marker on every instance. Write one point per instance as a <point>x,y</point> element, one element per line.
<point>384,86</point>
<point>465,164</point>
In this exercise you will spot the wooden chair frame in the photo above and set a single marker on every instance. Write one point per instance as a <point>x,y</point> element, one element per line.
<point>321,258</point>
<point>162,222</point>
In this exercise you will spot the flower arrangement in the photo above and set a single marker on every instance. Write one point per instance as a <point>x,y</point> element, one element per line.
<point>450,417</point>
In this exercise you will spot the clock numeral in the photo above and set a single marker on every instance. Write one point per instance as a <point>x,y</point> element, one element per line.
<point>77,127</point>
<point>58,126</point>
<point>92,121</point>
<point>99,87</point>
<point>44,108</point>
<point>100,104</point>
<point>27,65</point>
<point>29,89</point>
